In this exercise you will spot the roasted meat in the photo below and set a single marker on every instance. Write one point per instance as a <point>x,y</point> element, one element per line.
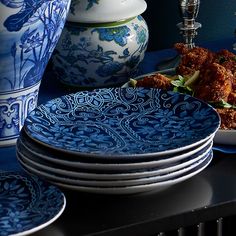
<point>192,59</point>
<point>155,81</point>
<point>217,78</point>
<point>232,98</point>
<point>228,118</point>
<point>226,59</point>
<point>214,83</point>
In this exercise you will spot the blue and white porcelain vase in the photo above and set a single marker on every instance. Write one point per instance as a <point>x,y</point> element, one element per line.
<point>92,53</point>
<point>29,32</point>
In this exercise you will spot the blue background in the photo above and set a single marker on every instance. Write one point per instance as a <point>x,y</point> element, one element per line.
<point>216,16</point>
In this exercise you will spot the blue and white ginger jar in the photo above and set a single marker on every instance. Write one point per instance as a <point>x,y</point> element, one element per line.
<point>29,32</point>
<point>101,54</point>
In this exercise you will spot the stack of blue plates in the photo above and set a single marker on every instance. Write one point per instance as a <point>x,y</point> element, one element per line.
<point>118,140</point>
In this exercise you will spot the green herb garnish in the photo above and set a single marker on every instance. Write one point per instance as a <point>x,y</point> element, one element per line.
<point>222,59</point>
<point>222,104</point>
<point>132,83</point>
<point>179,85</point>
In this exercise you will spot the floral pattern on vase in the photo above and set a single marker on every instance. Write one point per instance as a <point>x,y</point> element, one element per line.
<point>29,32</point>
<point>100,56</point>
<point>30,36</point>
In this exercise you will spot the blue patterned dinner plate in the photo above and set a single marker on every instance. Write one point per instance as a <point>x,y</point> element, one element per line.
<point>28,204</point>
<point>118,123</point>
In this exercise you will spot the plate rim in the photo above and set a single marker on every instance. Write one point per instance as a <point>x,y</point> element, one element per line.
<point>133,189</point>
<point>118,166</point>
<point>116,176</point>
<point>115,183</point>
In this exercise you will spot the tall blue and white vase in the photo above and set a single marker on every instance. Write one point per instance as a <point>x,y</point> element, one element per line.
<point>102,43</point>
<point>29,32</point>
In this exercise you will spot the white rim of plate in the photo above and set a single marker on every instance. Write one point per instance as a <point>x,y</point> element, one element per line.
<point>133,189</point>
<point>113,166</point>
<point>98,157</point>
<point>112,176</point>
<point>112,183</point>
<point>43,225</point>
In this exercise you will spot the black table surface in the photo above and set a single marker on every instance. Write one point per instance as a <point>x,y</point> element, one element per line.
<point>206,196</point>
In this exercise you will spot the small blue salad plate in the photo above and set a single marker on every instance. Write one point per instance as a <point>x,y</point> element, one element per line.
<point>28,204</point>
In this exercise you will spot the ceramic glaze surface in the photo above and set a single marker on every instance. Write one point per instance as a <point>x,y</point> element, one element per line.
<point>157,186</point>
<point>98,11</point>
<point>27,204</point>
<point>37,163</point>
<point>39,153</point>
<point>112,183</point>
<point>14,108</point>
<point>121,122</point>
<point>29,32</point>
<point>101,55</point>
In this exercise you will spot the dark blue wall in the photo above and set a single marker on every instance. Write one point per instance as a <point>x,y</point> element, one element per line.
<point>216,16</point>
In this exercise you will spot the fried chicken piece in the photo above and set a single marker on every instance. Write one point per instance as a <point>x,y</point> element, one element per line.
<point>232,98</point>
<point>181,48</point>
<point>214,83</point>
<point>155,81</point>
<point>217,79</point>
<point>228,118</point>
<point>226,59</point>
<point>192,59</point>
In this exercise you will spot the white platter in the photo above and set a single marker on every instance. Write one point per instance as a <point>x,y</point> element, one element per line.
<point>226,137</point>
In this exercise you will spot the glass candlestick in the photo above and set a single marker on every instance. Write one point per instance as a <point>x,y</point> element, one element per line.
<point>188,27</point>
<point>234,45</point>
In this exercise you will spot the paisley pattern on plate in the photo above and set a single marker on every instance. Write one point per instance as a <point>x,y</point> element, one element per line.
<point>122,122</point>
<point>27,204</point>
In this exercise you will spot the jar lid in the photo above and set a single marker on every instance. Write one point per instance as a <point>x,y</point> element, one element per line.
<point>101,11</point>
